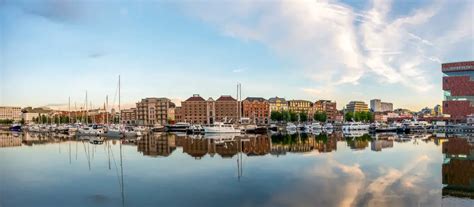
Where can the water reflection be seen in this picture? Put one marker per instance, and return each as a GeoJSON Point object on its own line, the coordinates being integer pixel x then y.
{"type": "Point", "coordinates": [280, 170]}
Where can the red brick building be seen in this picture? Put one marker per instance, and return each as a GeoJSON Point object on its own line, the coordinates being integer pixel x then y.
{"type": "Point", "coordinates": [257, 109]}
{"type": "Point", "coordinates": [458, 86]}
{"type": "Point", "coordinates": [328, 107]}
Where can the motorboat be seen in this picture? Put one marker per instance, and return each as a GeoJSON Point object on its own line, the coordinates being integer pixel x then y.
{"type": "Point", "coordinates": [328, 126]}
{"type": "Point", "coordinates": [221, 127]}
{"type": "Point", "coordinates": [195, 129]}
{"type": "Point", "coordinates": [290, 127]}
{"type": "Point", "coordinates": [351, 126]}
{"type": "Point", "coordinates": [316, 126]}
{"type": "Point", "coordinates": [92, 130]}
{"type": "Point", "coordinates": [178, 127]}
{"type": "Point", "coordinates": [15, 127]}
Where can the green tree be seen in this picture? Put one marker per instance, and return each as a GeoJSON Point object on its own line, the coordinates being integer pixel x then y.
{"type": "Point", "coordinates": [285, 116]}
{"type": "Point", "coordinates": [349, 116]}
{"type": "Point", "coordinates": [320, 116]}
{"type": "Point", "coordinates": [276, 116]}
{"type": "Point", "coordinates": [303, 117]}
{"type": "Point", "coordinates": [293, 116]}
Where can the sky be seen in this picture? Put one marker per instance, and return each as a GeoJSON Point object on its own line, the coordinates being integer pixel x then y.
{"type": "Point", "coordinates": [51, 50]}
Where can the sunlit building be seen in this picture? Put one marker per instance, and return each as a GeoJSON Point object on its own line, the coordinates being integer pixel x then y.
{"type": "Point", "coordinates": [458, 86]}
{"type": "Point", "coordinates": [151, 111]}
{"type": "Point", "coordinates": [357, 106]}
{"type": "Point", "coordinates": [10, 113]}
{"type": "Point", "coordinates": [327, 107]}
{"type": "Point", "coordinates": [300, 106]}
{"type": "Point", "coordinates": [278, 104]}
{"type": "Point", "coordinates": [257, 109]}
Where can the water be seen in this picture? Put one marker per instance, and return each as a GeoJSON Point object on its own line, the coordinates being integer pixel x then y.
{"type": "Point", "coordinates": [262, 170]}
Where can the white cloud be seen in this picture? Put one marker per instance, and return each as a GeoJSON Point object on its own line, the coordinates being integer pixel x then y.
{"type": "Point", "coordinates": [336, 44]}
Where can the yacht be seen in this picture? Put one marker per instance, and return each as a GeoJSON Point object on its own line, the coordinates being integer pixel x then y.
{"type": "Point", "coordinates": [178, 127]}
{"type": "Point", "coordinates": [221, 127]}
{"type": "Point", "coordinates": [316, 126]}
{"type": "Point", "coordinates": [291, 127]}
{"type": "Point", "coordinates": [351, 126]}
{"type": "Point", "coordinates": [91, 130]}
{"type": "Point", "coordinates": [328, 126]}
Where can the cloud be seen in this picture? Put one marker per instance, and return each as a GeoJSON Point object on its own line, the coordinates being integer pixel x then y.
{"type": "Point", "coordinates": [53, 10]}
{"type": "Point", "coordinates": [239, 70]}
{"type": "Point", "coordinates": [96, 55]}
{"type": "Point", "coordinates": [334, 43]}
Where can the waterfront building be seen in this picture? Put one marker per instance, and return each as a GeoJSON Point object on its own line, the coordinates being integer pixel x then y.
{"type": "Point", "coordinates": [227, 109]}
{"type": "Point", "coordinates": [129, 116]}
{"type": "Point", "coordinates": [357, 106]}
{"type": "Point", "coordinates": [151, 111]}
{"type": "Point", "coordinates": [438, 110]}
{"type": "Point", "coordinates": [10, 113]}
{"type": "Point", "coordinates": [278, 104]}
{"type": "Point", "coordinates": [376, 105]}
{"type": "Point", "coordinates": [178, 114]}
{"type": "Point", "coordinates": [29, 113]}
{"type": "Point", "coordinates": [458, 86]}
{"type": "Point", "coordinates": [299, 106]}
{"type": "Point", "coordinates": [195, 110]}
{"type": "Point", "coordinates": [257, 109]}
{"type": "Point", "coordinates": [327, 107]}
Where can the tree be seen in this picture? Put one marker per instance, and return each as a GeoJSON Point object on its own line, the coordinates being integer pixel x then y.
{"type": "Point", "coordinates": [320, 116]}
{"type": "Point", "coordinates": [303, 117]}
{"type": "Point", "coordinates": [349, 116]}
{"type": "Point", "coordinates": [285, 116]}
{"type": "Point", "coordinates": [276, 116]}
{"type": "Point", "coordinates": [293, 116]}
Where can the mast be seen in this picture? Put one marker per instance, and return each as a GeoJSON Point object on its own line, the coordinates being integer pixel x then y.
{"type": "Point", "coordinates": [87, 114]}
{"type": "Point", "coordinates": [106, 107]}
{"type": "Point", "coordinates": [69, 109]}
{"type": "Point", "coordinates": [120, 113]}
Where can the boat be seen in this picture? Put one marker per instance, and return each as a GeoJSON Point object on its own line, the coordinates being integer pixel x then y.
{"type": "Point", "coordinates": [195, 129]}
{"type": "Point", "coordinates": [291, 127]}
{"type": "Point", "coordinates": [221, 127]}
{"type": "Point", "coordinates": [328, 126]}
{"type": "Point", "coordinates": [15, 127]}
{"type": "Point", "coordinates": [273, 127]}
{"type": "Point", "coordinates": [158, 128]}
{"type": "Point", "coordinates": [92, 130]}
{"type": "Point", "coordinates": [316, 126]}
{"type": "Point", "coordinates": [178, 127]}
{"type": "Point", "coordinates": [351, 126]}
{"type": "Point", "coordinates": [130, 132]}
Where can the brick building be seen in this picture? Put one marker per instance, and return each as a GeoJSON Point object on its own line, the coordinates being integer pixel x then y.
{"type": "Point", "coordinates": [328, 107]}
{"type": "Point", "coordinates": [257, 109]}
{"type": "Point", "coordinates": [151, 111]}
{"type": "Point", "coordinates": [194, 110]}
{"type": "Point", "coordinates": [458, 86]}
{"type": "Point", "coordinates": [227, 108]}
{"type": "Point", "coordinates": [129, 116]}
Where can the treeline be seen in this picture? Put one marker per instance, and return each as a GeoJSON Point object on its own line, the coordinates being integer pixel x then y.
{"type": "Point", "coordinates": [359, 116]}
{"type": "Point", "coordinates": [290, 116]}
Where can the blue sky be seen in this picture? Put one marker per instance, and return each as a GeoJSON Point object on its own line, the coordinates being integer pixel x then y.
{"type": "Point", "coordinates": [339, 50]}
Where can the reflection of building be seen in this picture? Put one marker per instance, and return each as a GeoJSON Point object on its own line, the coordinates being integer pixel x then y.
{"type": "Point", "coordinates": [257, 109]}
{"type": "Point", "coordinates": [458, 86]}
{"type": "Point", "coordinates": [356, 106]}
{"type": "Point", "coordinates": [278, 104]}
{"type": "Point", "coordinates": [151, 111]}
{"type": "Point", "coordinates": [251, 146]}
{"type": "Point", "coordinates": [378, 145]}
{"type": "Point", "coordinates": [7, 139]}
{"type": "Point", "coordinates": [10, 113]}
{"type": "Point", "coordinates": [458, 168]}
{"type": "Point", "coordinates": [157, 144]}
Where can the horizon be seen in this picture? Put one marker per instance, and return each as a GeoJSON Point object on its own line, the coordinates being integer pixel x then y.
{"type": "Point", "coordinates": [392, 51]}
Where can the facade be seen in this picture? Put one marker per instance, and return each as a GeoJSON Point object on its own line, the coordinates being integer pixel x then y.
{"type": "Point", "coordinates": [300, 106]}
{"type": "Point", "coordinates": [10, 113]}
{"type": "Point", "coordinates": [438, 110]}
{"type": "Point", "coordinates": [357, 106]}
{"type": "Point", "coordinates": [195, 110]}
{"type": "Point", "coordinates": [257, 109]}
{"type": "Point", "coordinates": [129, 116]}
{"type": "Point", "coordinates": [151, 111]}
{"type": "Point", "coordinates": [328, 107]}
{"type": "Point", "coordinates": [458, 86]}
{"type": "Point", "coordinates": [178, 114]}
{"type": "Point", "coordinates": [227, 109]}
{"type": "Point", "coordinates": [278, 104]}
{"type": "Point", "coordinates": [376, 105]}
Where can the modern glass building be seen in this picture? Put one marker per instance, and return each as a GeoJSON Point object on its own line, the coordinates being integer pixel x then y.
{"type": "Point", "coordinates": [458, 86]}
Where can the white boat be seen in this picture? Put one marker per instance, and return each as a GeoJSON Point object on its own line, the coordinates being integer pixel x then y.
{"type": "Point", "coordinates": [328, 126]}
{"type": "Point", "coordinates": [221, 127]}
{"type": "Point", "coordinates": [316, 126]}
{"type": "Point", "coordinates": [291, 127]}
{"type": "Point", "coordinates": [351, 126]}
{"type": "Point", "coordinates": [91, 130]}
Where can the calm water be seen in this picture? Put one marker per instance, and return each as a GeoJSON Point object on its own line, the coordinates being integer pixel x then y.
{"type": "Point", "coordinates": [263, 170]}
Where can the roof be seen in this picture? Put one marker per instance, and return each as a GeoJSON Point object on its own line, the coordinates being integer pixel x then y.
{"type": "Point", "coordinates": [195, 98]}
{"type": "Point", "coordinates": [457, 66]}
{"type": "Point", "coordinates": [274, 99]}
{"type": "Point", "coordinates": [226, 98]}
{"type": "Point", "coordinates": [259, 99]}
